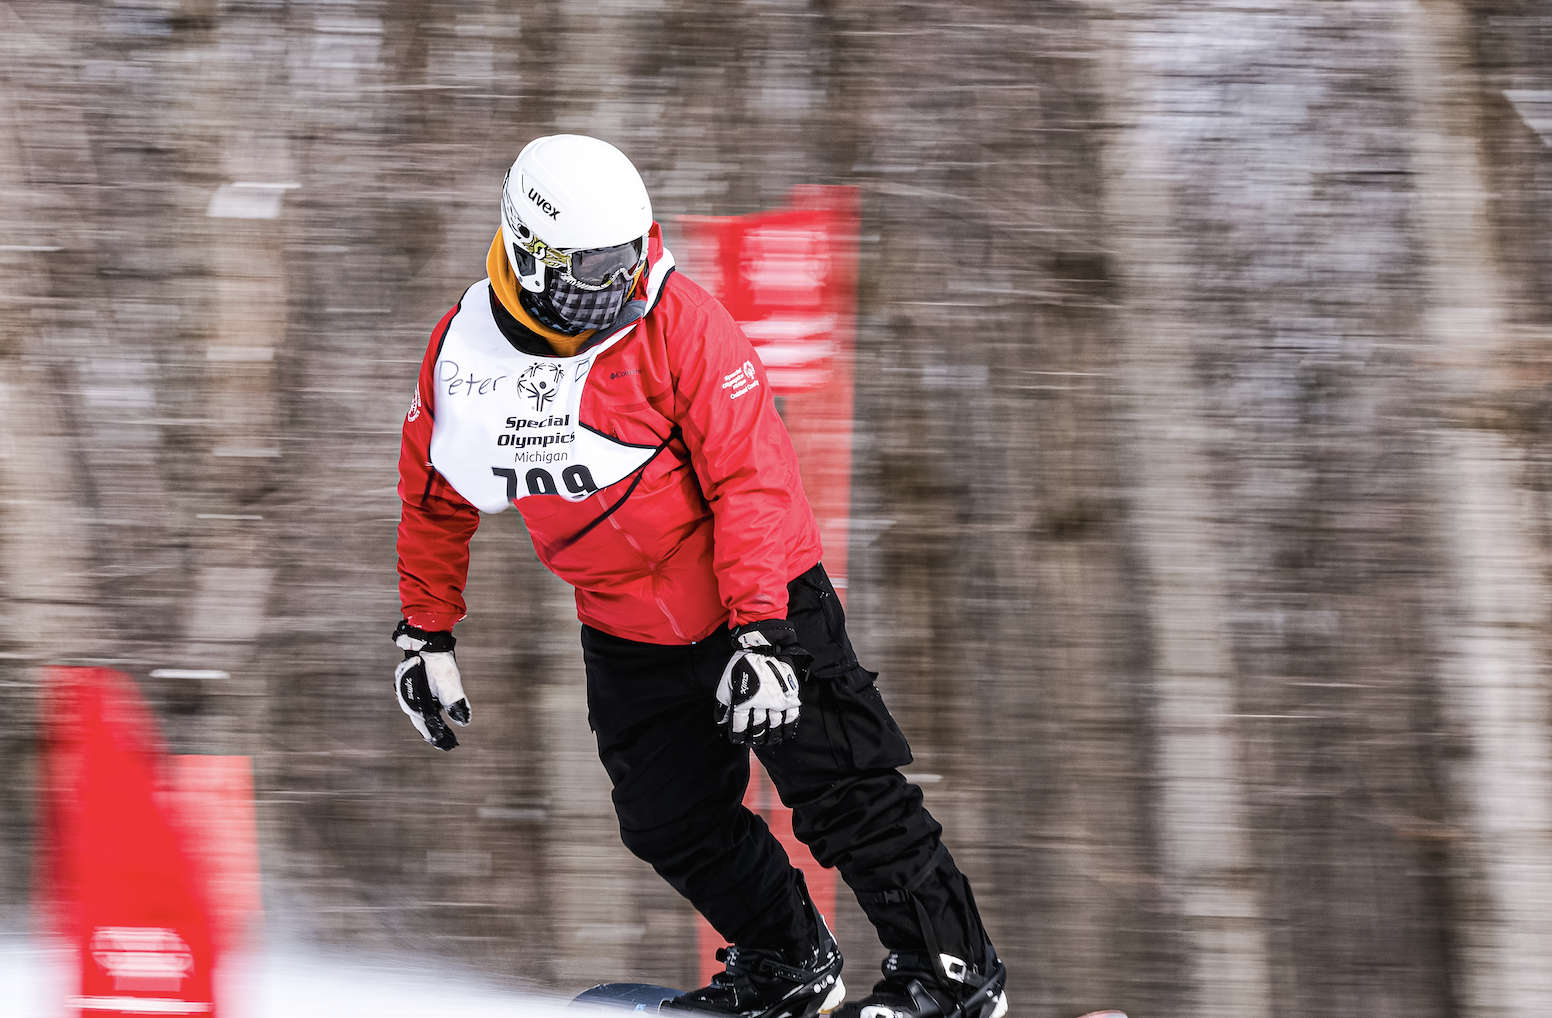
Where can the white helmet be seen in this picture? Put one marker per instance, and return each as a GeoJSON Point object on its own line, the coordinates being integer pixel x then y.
{"type": "Point", "coordinates": [572, 195]}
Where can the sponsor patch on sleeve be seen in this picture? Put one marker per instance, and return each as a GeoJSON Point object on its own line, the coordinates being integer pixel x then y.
{"type": "Point", "coordinates": [741, 381]}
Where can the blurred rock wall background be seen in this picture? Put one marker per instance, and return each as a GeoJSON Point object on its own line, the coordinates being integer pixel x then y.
{"type": "Point", "coordinates": [1200, 527]}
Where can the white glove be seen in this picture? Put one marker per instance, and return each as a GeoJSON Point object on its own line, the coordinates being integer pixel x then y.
{"type": "Point", "coordinates": [757, 699]}
{"type": "Point", "coordinates": [426, 681]}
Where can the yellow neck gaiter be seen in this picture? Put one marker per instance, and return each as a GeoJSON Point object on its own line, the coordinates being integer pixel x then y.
{"type": "Point", "coordinates": [504, 281]}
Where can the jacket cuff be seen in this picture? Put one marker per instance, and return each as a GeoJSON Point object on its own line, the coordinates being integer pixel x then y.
{"type": "Point", "coordinates": [736, 619]}
{"type": "Point", "coordinates": [433, 622]}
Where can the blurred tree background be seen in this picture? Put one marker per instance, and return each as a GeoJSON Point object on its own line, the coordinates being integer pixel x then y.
{"type": "Point", "coordinates": [1200, 520]}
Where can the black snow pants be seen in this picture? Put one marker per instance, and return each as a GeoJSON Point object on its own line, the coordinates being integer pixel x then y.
{"type": "Point", "coordinates": [679, 787]}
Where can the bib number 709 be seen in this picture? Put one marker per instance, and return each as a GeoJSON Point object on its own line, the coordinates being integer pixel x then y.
{"type": "Point", "coordinates": [539, 481]}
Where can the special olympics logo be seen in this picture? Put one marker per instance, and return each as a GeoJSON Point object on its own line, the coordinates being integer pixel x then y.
{"type": "Point", "coordinates": [749, 370]}
{"type": "Point", "coordinates": [540, 383]}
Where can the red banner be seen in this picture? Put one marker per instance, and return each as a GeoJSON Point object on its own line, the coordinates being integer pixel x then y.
{"type": "Point", "coordinates": [119, 869]}
{"type": "Point", "coordinates": [789, 277]}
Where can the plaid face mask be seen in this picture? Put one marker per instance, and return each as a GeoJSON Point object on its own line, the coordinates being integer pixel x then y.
{"type": "Point", "coordinates": [582, 309]}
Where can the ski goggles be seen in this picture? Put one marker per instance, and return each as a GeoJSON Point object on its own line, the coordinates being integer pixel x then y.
{"type": "Point", "coordinates": [595, 268]}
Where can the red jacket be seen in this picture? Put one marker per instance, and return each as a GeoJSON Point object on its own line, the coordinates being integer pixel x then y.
{"type": "Point", "coordinates": [707, 535]}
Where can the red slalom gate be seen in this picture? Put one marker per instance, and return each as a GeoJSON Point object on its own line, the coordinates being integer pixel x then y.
{"type": "Point", "coordinates": [148, 861]}
{"type": "Point", "coordinates": [789, 277]}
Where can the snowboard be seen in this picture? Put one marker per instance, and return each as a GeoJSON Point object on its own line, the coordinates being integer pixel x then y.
{"type": "Point", "coordinates": [648, 998]}
{"type": "Point", "coordinates": [627, 996]}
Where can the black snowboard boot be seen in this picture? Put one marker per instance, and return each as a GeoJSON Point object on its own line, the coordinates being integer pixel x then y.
{"type": "Point", "coordinates": [913, 987]}
{"type": "Point", "coordinates": [770, 982]}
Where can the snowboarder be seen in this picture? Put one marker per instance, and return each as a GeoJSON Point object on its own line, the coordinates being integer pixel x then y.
{"type": "Point", "coordinates": [621, 409]}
